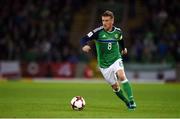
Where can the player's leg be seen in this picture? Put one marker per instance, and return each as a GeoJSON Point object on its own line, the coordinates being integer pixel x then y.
{"type": "Point", "coordinates": [126, 86]}
{"type": "Point", "coordinates": [109, 76]}
{"type": "Point", "coordinates": [120, 74]}
{"type": "Point", "coordinates": [119, 93]}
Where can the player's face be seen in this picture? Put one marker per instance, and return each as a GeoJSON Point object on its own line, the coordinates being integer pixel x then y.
{"type": "Point", "coordinates": [107, 22]}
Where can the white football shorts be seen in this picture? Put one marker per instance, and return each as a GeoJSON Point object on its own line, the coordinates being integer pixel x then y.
{"type": "Point", "coordinates": [110, 72]}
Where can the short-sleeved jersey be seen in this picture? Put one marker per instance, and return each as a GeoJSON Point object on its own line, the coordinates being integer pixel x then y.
{"type": "Point", "coordinates": [107, 46]}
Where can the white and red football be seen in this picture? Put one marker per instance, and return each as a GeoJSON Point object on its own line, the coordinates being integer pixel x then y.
{"type": "Point", "coordinates": [78, 103]}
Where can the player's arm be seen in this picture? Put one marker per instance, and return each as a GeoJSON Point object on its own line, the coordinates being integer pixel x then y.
{"type": "Point", "coordinates": [84, 43]}
{"type": "Point", "coordinates": [89, 37]}
{"type": "Point", "coordinates": [124, 50]}
{"type": "Point", "coordinates": [121, 43]}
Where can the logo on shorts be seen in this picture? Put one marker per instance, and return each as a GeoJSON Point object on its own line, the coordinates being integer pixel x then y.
{"type": "Point", "coordinates": [120, 64]}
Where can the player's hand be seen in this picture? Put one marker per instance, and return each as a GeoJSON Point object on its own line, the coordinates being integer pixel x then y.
{"type": "Point", "coordinates": [124, 52]}
{"type": "Point", "coordinates": [86, 48]}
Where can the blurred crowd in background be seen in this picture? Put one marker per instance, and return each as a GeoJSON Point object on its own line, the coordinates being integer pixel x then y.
{"type": "Point", "coordinates": [36, 30]}
{"type": "Point", "coordinates": [39, 30]}
{"type": "Point", "coordinates": [158, 38]}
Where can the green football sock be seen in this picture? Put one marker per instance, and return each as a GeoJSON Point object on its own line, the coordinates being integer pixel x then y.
{"type": "Point", "coordinates": [120, 94]}
{"type": "Point", "coordinates": [127, 89]}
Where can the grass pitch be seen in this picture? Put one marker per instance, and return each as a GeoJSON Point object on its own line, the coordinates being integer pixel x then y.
{"type": "Point", "coordinates": [20, 99]}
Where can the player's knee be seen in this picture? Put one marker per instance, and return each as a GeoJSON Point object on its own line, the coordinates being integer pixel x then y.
{"type": "Point", "coordinates": [115, 87]}
{"type": "Point", "coordinates": [122, 77]}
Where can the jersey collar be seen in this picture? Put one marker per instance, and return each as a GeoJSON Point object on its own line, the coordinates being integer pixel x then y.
{"type": "Point", "coordinates": [113, 29]}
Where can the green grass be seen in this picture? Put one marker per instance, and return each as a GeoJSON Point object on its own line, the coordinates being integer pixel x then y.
{"type": "Point", "coordinates": [18, 99]}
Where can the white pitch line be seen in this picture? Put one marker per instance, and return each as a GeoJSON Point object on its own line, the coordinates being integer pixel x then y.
{"type": "Point", "coordinates": [83, 80]}
{"type": "Point", "coordinates": [69, 81]}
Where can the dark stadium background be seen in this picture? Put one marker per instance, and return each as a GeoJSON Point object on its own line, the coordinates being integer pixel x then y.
{"type": "Point", "coordinates": [42, 66]}
{"type": "Point", "coordinates": [40, 38]}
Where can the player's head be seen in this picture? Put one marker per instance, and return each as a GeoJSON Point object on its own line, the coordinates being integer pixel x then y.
{"type": "Point", "coordinates": [107, 20]}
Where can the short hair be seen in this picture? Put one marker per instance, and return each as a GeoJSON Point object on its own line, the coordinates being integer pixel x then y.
{"type": "Point", "coordinates": [108, 13]}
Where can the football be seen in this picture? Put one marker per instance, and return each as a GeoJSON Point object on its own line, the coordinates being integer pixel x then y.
{"type": "Point", "coordinates": [78, 103]}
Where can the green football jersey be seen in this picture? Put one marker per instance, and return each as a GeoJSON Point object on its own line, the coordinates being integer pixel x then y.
{"type": "Point", "coordinates": [107, 46]}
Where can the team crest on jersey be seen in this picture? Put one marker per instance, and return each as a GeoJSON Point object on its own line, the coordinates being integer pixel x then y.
{"type": "Point", "coordinates": [116, 36]}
